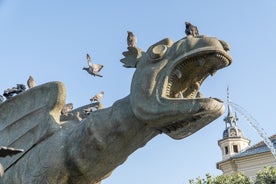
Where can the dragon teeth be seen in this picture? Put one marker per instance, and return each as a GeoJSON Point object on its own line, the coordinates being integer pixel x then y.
{"type": "Point", "coordinates": [179, 95]}
{"type": "Point", "coordinates": [178, 73]}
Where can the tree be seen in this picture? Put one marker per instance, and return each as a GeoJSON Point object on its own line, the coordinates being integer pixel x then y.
{"type": "Point", "coordinates": [237, 178]}
{"type": "Point", "coordinates": [267, 176]}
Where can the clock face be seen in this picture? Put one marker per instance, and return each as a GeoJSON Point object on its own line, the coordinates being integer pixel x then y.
{"type": "Point", "coordinates": [233, 133]}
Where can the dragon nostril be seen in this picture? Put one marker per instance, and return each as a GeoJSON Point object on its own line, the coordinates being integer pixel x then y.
{"type": "Point", "coordinates": [225, 45]}
{"type": "Point", "coordinates": [158, 51]}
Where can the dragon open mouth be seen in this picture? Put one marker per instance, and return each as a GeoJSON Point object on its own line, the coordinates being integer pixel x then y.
{"type": "Point", "coordinates": [187, 75]}
{"type": "Point", "coordinates": [184, 82]}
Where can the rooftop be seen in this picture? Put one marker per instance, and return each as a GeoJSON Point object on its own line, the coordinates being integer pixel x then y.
{"type": "Point", "coordinates": [260, 147]}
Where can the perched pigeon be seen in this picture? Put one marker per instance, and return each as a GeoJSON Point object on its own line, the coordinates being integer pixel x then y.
{"type": "Point", "coordinates": [98, 97]}
{"type": "Point", "coordinates": [66, 108]}
{"type": "Point", "coordinates": [191, 29]}
{"type": "Point", "coordinates": [92, 68]}
{"type": "Point", "coordinates": [131, 39]}
{"type": "Point", "coordinates": [78, 116]}
{"type": "Point", "coordinates": [31, 82]}
{"type": "Point", "coordinates": [88, 110]}
{"type": "Point", "coordinates": [8, 93]}
{"type": "Point", "coordinates": [9, 151]}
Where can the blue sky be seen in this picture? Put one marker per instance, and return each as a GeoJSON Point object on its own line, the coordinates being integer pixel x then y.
{"type": "Point", "coordinates": [49, 40]}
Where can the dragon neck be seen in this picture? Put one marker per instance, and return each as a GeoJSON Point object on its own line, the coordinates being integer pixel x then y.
{"type": "Point", "coordinates": [113, 133]}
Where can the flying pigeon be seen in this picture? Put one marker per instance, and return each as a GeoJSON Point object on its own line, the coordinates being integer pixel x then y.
{"type": "Point", "coordinates": [191, 29]}
{"type": "Point", "coordinates": [131, 39]}
{"type": "Point", "coordinates": [31, 82]}
{"type": "Point", "coordinates": [92, 68]}
{"type": "Point", "coordinates": [98, 97]}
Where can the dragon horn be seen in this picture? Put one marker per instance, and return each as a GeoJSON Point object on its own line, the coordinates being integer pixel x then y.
{"type": "Point", "coordinates": [132, 57]}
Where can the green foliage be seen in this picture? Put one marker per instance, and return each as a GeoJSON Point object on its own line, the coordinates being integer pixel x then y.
{"type": "Point", "coordinates": [238, 178]}
{"type": "Point", "coordinates": [266, 176]}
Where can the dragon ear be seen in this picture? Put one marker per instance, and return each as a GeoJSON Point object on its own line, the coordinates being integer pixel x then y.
{"type": "Point", "coordinates": [132, 57]}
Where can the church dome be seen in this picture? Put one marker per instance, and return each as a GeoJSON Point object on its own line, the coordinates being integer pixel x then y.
{"type": "Point", "coordinates": [232, 131]}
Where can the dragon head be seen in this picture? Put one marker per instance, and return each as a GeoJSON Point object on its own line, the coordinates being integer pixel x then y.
{"type": "Point", "coordinates": [165, 86]}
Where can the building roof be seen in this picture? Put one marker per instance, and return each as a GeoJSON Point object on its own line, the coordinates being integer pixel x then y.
{"type": "Point", "coordinates": [260, 147]}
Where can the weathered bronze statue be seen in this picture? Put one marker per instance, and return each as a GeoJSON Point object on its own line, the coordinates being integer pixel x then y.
{"type": "Point", "coordinates": [162, 99]}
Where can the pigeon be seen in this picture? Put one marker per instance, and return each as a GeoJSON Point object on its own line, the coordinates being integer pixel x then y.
{"type": "Point", "coordinates": [98, 97]}
{"type": "Point", "coordinates": [66, 108]}
{"type": "Point", "coordinates": [8, 93]}
{"type": "Point", "coordinates": [88, 110]}
{"type": "Point", "coordinates": [9, 151]}
{"type": "Point", "coordinates": [131, 39]}
{"type": "Point", "coordinates": [191, 29]}
{"type": "Point", "coordinates": [31, 82]}
{"type": "Point", "coordinates": [78, 116]}
{"type": "Point", "coordinates": [92, 68]}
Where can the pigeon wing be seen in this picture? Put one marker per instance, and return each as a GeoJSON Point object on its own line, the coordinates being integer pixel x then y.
{"type": "Point", "coordinates": [97, 67]}
{"type": "Point", "coordinates": [89, 61]}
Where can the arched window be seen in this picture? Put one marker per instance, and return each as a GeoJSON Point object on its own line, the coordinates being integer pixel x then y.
{"type": "Point", "coordinates": [235, 148]}
{"type": "Point", "coordinates": [226, 150]}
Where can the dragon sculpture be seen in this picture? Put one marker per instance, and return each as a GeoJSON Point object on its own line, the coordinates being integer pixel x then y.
{"type": "Point", "coordinates": [164, 98]}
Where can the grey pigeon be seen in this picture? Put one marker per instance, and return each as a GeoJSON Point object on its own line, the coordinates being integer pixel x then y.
{"type": "Point", "coordinates": [31, 82]}
{"type": "Point", "coordinates": [92, 68]}
{"type": "Point", "coordinates": [78, 116]}
{"type": "Point", "coordinates": [88, 110]}
{"type": "Point", "coordinates": [131, 39]}
{"type": "Point", "coordinates": [191, 29]}
{"type": "Point", "coordinates": [7, 151]}
{"type": "Point", "coordinates": [66, 108]}
{"type": "Point", "coordinates": [98, 97]}
{"type": "Point", "coordinates": [8, 93]}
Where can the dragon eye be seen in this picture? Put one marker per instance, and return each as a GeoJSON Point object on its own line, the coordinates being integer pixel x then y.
{"type": "Point", "coordinates": [158, 51]}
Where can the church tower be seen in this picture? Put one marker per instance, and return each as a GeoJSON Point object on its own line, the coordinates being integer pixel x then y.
{"type": "Point", "coordinates": [232, 141]}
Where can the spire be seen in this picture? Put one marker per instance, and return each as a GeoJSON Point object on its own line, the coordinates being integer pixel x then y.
{"type": "Point", "coordinates": [232, 141]}
{"type": "Point", "coordinates": [230, 119]}
{"type": "Point", "coordinates": [228, 103]}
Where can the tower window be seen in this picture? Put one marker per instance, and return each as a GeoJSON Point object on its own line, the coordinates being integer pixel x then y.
{"type": "Point", "coordinates": [226, 150]}
{"type": "Point", "coordinates": [235, 148]}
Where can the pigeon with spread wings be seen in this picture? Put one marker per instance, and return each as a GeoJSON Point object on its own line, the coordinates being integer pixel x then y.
{"type": "Point", "coordinates": [92, 68]}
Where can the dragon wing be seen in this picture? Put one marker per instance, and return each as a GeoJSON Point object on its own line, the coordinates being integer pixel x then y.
{"type": "Point", "coordinates": [29, 117]}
